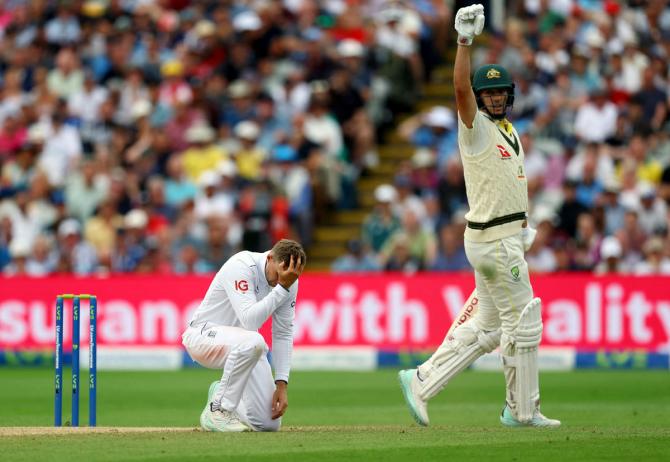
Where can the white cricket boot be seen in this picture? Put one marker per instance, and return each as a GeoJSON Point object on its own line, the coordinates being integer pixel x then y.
{"type": "Point", "coordinates": [221, 421]}
{"type": "Point", "coordinates": [538, 420]}
{"type": "Point", "coordinates": [409, 384]}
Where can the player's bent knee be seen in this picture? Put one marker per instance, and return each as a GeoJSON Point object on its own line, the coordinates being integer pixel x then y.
{"type": "Point", "coordinates": [266, 425]}
{"type": "Point", "coordinates": [254, 345]}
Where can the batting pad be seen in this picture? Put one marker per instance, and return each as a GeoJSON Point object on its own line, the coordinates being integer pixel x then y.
{"type": "Point", "coordinates": [520, 362]}
{"type": "Point", "coordinates": [458, 351]}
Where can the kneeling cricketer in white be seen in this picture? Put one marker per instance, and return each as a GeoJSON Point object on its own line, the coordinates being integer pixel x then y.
{"type": "Point", "coordinates": [223, 334]}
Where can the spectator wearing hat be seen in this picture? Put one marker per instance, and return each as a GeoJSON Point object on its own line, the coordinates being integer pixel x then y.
{"type": "Point", "coordinates": [381, 223]}
{"type": "Point", "coordinates": [433, 129]}
{"type": "Point", "coordinates": [424, 175]}
{"type": "Point", "coordinates": [211, 200]}
{"type": "Point", "coordinates": [76, 255]}
{"type": "Point", "coordinates": [611, 253]}
{"type": "Point", "coordinates": [653, 212]}
{"type": "Point", "coordinates": [174, 89]}
{"type": "Point", "coordinates": [356, 260]}
{"type": "Point", "coordinates": [420, 242]}
{"type": "Point", "coordinates": [203, 154]}
{"type": "Point", "coordinates": [654, 261]}
{"type": "Point", "coordinates": [43, 259]}
{"type": "Point", "coordinates": [241, 106]}
{"type": "Point", "coordinates": [248, 156]}
{"type": "Point", "coordinates": [351, 54]}
{"type": "Point", "coordinates": [19, 251]}
{"type": "Point", "coordinates": [131, 242]}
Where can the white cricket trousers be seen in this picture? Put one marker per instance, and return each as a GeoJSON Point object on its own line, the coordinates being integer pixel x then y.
{"type": "Point", "coordinates": [247, 385]}
{"type": "Point", "coordinates": [503, 283]}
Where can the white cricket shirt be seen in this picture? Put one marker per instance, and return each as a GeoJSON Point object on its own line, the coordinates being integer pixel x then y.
{"type": "Point", "coordinates": [495, 179]}
{"type": "Point", "coordinates": [240, 296]}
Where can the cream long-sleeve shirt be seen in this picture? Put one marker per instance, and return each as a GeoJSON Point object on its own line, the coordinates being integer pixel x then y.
{"type": "Point", "coordinates": [240, 296]}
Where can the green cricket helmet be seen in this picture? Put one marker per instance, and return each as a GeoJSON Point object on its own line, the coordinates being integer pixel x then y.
{"type": "Point", "coordinates": [490, 76]}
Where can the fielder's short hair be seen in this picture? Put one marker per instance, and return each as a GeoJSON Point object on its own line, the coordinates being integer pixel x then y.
{"type": "Point", "coordinates": [284, 249]}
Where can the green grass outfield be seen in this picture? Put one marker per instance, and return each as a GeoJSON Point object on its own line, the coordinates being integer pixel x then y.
{"type": "Point", "coordinates": [334, 416]}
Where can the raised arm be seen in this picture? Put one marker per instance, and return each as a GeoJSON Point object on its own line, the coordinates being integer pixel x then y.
{"type": "Point", "coordinates": [469, 23]}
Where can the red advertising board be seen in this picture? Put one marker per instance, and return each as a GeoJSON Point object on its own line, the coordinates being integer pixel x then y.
{"type": "Point", "coordinates": [385, 311]}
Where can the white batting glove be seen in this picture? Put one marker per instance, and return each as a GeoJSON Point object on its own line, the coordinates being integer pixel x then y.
{"type": "Point", "coordinates": [528, 237]}
{"type": "Point", "coordinates": [469, 23]}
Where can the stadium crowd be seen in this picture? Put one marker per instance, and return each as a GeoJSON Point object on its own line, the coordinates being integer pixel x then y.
{"type": "Point", "coordinates": [591, 106]}
{"type": "Point", "coordinates": [161, 136]}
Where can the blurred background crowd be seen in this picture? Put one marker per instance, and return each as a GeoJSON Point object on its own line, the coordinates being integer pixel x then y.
{"type": "Point", "coordinates": [591, 107]}
{"type": "Point", "coordinates": [162, 136]}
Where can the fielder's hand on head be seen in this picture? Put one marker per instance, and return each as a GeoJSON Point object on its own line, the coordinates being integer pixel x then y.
{"type": "Point", "coordinates": [469, 23]}
{"type": "Point", "coordinates": [289, 274]}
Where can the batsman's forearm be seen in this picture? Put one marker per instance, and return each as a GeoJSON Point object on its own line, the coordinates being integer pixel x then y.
{"type": "Point", "coordinates": [462, 70]}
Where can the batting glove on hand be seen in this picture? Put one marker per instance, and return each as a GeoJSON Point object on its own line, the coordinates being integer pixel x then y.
{"type": "Point", "coordinates": [528, 237]}
{"type": "Point", "coordinates": [469, 22]}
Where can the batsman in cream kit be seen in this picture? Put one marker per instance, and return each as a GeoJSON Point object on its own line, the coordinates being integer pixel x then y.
{"type": "Point", "coordinates": [505, 314]}
{"type": "Point", "coordinates": [249, 289]}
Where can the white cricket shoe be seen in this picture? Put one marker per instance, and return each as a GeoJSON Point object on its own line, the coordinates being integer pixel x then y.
{"type": "Point", "coordinates": [538, 420]}
{"type": "Point", "coordinates": [221, 421]}
{"type": "Point", "coordinates": [409, 384]}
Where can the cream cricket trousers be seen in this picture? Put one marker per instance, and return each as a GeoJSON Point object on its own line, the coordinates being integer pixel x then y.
{"type": "Point", "coordinates": [247, 385]}
{"type": "Point", "coordinates": [502, 280]}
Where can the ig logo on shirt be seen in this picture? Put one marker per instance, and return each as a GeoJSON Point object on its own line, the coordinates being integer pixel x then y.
{"type": "Point", "coordinates": [241, 286]}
